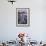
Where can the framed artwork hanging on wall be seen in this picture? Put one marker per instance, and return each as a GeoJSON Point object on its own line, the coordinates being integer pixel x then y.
{"type": "Point", "coordinates": [22, 17]}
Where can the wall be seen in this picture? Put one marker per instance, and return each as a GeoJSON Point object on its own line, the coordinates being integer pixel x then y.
{"type": "Point", "coordinates": [37, 29]}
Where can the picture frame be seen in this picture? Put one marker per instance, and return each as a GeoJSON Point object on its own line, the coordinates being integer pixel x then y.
{"type": "Point", "coordinates": [22, 17]}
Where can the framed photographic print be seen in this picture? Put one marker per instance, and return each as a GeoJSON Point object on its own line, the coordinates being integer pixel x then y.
{"type": "Point", "coordinates": [22, 17]}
